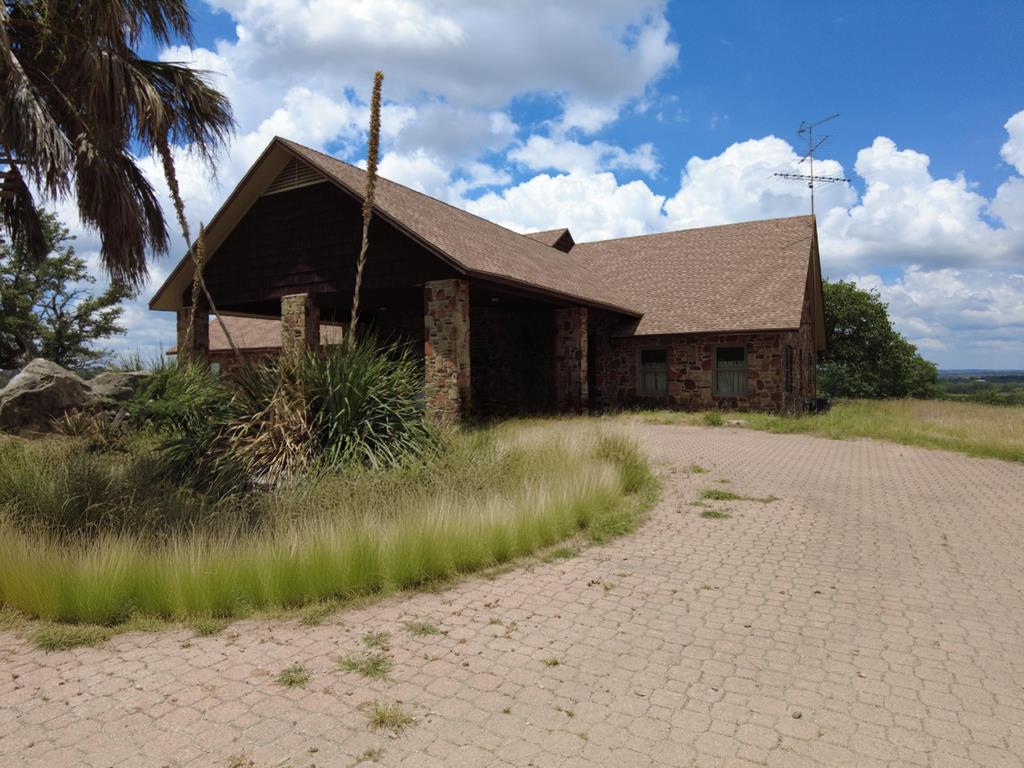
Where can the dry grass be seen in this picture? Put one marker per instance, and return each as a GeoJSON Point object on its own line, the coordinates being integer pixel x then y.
{"type": "Point", "coordinates": [978, 430]}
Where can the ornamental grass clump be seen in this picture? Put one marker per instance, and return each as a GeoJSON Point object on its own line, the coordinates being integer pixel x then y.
{"type": "Point", "coordinates": [492, 495]}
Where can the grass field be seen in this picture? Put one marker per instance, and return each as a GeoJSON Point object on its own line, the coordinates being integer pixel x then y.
{"type": "Point", "coordinates": [978, 430]}
{"type": "Point", "coordinates": [493, 496]}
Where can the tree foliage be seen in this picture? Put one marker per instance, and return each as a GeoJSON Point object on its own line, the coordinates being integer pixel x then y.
{"type": "Point", "coordinates": [48, 308]}
{"type": "Point", "coordinates": [867, 357]}
{"type": "Point", "coordinates": [77, 104]}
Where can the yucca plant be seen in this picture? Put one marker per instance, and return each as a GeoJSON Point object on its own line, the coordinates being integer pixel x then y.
{"type": "Point", "coordinates": [305, 412]}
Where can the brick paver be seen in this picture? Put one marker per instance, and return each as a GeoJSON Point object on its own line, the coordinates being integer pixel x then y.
{"type": "Point", "coordinates": [873, 615]}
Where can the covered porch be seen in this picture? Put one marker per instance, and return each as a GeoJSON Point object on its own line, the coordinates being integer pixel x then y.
{"type": "Point", "coordinates": [488, 348]}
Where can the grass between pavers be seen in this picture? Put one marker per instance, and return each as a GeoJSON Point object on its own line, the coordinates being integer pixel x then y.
{"type": "Point", "coordinates": [501, 494]}
{"type": "Point", "coordinates": [989, 431]}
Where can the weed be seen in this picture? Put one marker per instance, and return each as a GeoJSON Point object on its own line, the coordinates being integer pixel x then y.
{"type": "Point", "coordinates": [713, 419]}
{"type": "Point", "coordinates": [381, 640]}
{"type": "Point", "coordinates": [560, 553]}
{"type": "Point", "coordinates": [422, 628]}
{"type": "Point", "coordinates": [720, 494]}
{"type": "Point", "coordinates": [206, 626]}
{"type": "Point", "coordinates": [240, 760]}
{"type": "Point", "coordinates": [373, 665]}
{"type": "Point", "coordinates": [294, 676]}
{"type": "Point", "coordinates": [697, 469]}
{"type": "Point", "coordinates": [389, 716]}
{"type": "Point", "coordinates": [62, 637]}
{"type": "Point", "coordinates": [314, 614]}
{"type": "Point", "coordinates": [551, 662]}
{"type": "Point", "coordinates": [715, 514]}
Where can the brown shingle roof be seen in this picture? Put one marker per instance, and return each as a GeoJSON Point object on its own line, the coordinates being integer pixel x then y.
{"type": "Point", "coordinates": [480, 247]}
{"type": "Point", "coordinates": [735, 277]}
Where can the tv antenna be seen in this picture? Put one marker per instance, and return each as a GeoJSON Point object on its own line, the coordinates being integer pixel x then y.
{"type": "Point", "coordinates": [808, 130]}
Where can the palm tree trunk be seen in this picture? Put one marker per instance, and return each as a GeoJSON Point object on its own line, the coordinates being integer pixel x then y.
{"type": "Point", "coordinates": [198, 283]}
{"type": "Point", "coordinates": [371, 183]}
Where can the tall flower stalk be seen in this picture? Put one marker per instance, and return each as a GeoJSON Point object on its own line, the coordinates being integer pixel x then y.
{"type": "Point", "coordinates": [371, 182]}
{"type": "Point", "coordinates": [198, 251]}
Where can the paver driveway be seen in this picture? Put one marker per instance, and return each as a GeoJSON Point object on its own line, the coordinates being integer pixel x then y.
{"type": "Point", "coordinates": [873, 615]}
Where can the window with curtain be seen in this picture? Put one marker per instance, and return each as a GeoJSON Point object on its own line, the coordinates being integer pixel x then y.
{"type": "Point", "coordinates": [731, 371]}
{"type": "Point", "coordinates": [653, 372]}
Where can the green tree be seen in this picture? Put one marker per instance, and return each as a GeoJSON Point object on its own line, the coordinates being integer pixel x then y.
{"type": "Point", "coordinates": [48, 308]}
{"type": "Point", "coordinates": [866, 356]}
{"type": "Point", "coordinates": [78, 105]}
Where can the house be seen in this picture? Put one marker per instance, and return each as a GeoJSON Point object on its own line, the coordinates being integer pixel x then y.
{"type": "Point", "coordinates": [728, 316]}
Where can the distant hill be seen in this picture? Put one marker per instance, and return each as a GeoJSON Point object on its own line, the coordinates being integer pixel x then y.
{"type": "Point", "coordinates": [979, 373]}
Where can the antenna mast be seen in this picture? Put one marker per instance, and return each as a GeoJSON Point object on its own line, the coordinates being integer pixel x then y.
{"type": "Point", "coordinates": [810, 178]}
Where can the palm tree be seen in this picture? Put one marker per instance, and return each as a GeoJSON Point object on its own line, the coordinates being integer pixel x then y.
{"type": "Point", "coordinates": [77, 104]}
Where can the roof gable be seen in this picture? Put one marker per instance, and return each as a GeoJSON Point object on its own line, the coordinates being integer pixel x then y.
{"type": "Point", "coordinates": [479, 247]}
{"type": "Point", "coordinates": [472, 245]}
{"type": "Point", "coordinates": [560, 239]}
{"type": "Point", "coordinates": [736, 277]}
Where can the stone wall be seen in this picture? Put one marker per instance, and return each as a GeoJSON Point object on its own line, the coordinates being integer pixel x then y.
{"type": "Point", "coordinates": [571, 359]}
{"type": "Point", "coordinates": [300, 322]}
{"type": "Point", "coordinates": [446, 349]}
{"type": "Point", "coordinates": [616, 364]}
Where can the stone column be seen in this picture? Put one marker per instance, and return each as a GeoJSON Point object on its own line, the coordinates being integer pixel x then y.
{"type": "Point", "coordinates": [300, 322]}
{"type": "Point", "coordinates": [446, 349]}
{"type": "Point", "coordinates": [571, 389]}
{"type": "Point", "coordinates": [200, 349]}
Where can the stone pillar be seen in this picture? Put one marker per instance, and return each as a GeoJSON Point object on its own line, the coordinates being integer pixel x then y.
{"type": "Point", "coordinates": [571, 388]}
{"type": "Point", "coordinates": [446, 349]}
{"type": "Point", "coordinates": [200, 349]}
{"type": "Point", "coordinates": [300, 322]}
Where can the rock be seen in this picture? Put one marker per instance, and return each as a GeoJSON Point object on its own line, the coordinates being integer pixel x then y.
{"type": "Point", "coordinates": [736, 423]}
{"type": "Point", "coordinates": [116, 387]}
{"type": "Point", "coordinates": [42, 392]}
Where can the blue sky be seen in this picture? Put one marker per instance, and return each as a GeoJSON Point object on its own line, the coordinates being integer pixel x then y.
{"type": "Point", "coordinates": [627, 116]}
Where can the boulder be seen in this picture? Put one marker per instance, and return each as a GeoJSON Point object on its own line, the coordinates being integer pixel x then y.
{"type": "Point", "coordinates": [116, 387]}
{"type": "Point", "coordinates": [42, 392]}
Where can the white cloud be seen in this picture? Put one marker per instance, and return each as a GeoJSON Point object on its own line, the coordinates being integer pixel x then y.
{"type": "Point", "coordinates": [907, 216]}
{"type": "Point", "coordinates": [959, 318]}
{"type": "Point", "coordinates": [540, 153]}
{"type": "Point", "coordinates": [595, 206]}
{"type": "Point", "coordinates": [1013, 150]}
{"type": "Point", "coordinates": [739, 184]}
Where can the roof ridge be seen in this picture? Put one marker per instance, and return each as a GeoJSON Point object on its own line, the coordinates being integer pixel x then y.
{"type": "Point", "coordinates": [697, 229]}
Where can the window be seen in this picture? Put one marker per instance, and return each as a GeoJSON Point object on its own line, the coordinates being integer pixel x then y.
{"type": "Point", "coordinates": [789, 369]}
{"type": "Point", "coordinates": [653, 372]}
{"type": "Point", "coordinates": [731, 371]}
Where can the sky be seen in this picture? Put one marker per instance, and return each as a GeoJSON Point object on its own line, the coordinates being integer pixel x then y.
{"type": "Point", "coordinates": [624, 117]}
